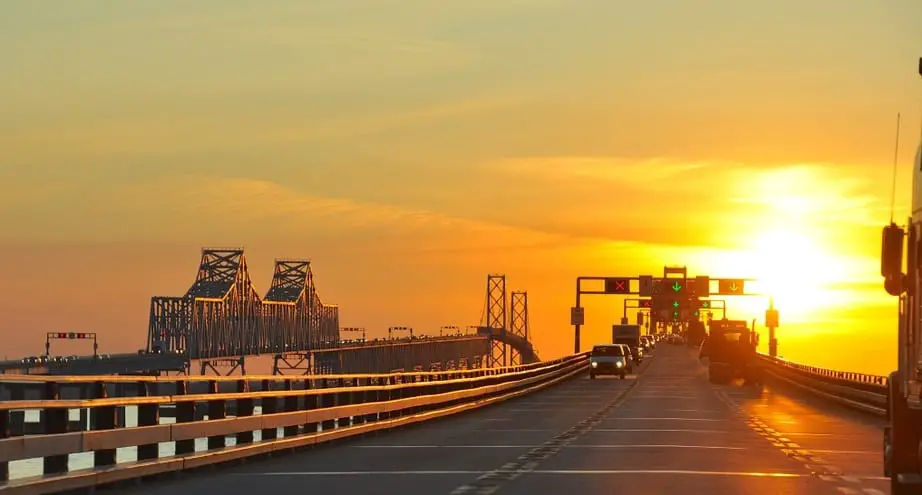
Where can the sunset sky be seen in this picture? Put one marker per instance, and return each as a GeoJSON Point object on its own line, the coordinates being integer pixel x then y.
{"type": "Point", "coordinates": [410, 147]}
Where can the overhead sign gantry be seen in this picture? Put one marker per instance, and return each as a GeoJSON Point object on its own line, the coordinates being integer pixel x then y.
{"type": "Point", "coordinates": [673, 297]}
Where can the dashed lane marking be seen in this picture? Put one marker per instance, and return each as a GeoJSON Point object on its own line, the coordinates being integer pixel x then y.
{"type": "Point", "coordinates": [581, 446]}
{"type": "Point", "coordinates": [619, 418]}
{"type": "Point", "coordinates": [819, 467]}
{"type": "Point", "coordinates": [492, 481]}
{"type": "Point", "coordinates": [847, 490]}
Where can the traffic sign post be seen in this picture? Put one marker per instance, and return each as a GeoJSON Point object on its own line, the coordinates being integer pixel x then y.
{"type": "Point", "coordinates": [645, 288]}
{"type": "Point", "coordinates": [577, 316]}
{"type": "Point", "coordinates": [672, 298]}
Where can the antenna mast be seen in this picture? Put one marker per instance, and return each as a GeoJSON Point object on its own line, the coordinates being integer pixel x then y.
{"type": "Point", "coordinates": [896, 155]}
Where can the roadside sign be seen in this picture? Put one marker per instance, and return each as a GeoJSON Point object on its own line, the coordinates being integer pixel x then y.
{"type": "Point", "coordinates": [577, 316]}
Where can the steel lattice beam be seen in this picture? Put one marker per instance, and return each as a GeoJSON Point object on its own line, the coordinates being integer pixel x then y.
{"type": "Point", "coordinates": [222, 315]}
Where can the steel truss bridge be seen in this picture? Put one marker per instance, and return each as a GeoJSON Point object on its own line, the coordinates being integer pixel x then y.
{"type": "Point", "coordinates": [221, 320]}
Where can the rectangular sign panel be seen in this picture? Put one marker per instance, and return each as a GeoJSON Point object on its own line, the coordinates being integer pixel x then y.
{"type": "Point", "coordinates": [577, 316]}
{"type": "Point", "coordinates": [731, 287]}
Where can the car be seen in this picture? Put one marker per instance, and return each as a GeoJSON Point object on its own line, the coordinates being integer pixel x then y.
{"type": "Point", "coordinates": [648, 342]}
{"type": "Point", "coordinates": [610, 359]}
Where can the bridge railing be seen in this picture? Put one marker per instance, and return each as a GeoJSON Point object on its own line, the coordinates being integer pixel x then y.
{"type": "Point", "coordinates": [259, 415]}
{"type": "Point", "coordinates": [857, 390]}
{"type": "Point", "coordinates": [174, 360]}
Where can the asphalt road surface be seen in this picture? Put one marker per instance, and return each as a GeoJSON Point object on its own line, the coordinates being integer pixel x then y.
{"type": "Point", "coordinates": [665, 431]}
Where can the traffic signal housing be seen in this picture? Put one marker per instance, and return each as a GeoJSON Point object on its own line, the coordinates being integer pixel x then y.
{"type": "Point", "coordinates": [674, 287]}
{"type": "Point", "coordinates": [617, 286]}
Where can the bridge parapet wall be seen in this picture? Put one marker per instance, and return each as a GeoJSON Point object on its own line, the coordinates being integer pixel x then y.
{"type": "Point", "coordinates": [264, 414]}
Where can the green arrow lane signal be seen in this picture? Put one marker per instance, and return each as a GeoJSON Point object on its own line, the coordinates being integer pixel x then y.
{"type": "Point", "coordinates": [675, 304]}
{"type": "Point", "coordinates": [705, 304]}
{"type": "Point", "coordinates": [677, 287]}
{"type": "Point", "coordinates": [733, 287]}
{"type": "Point", "coordinates": [697, 314]}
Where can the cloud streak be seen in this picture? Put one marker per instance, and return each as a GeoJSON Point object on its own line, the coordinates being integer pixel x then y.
{"type": "Point", "coordinates": [236, 209]}
{"type": "Point", "coordinates": [234, 132]}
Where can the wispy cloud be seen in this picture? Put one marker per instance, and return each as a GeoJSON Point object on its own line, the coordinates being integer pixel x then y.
{"type": "Point", "coordinates": [234, 131]}
{"type": "Point", "coordinates": [234, 210]}
{"type": "Point", "coordinates": [681, 202]}
{"type": "Point", "coordinates": [645, 173]}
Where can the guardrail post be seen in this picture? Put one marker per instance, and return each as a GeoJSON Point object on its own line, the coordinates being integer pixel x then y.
{"type": "Point", "coordinates": [358, 398]}
{"type": "Point", "coordinates": [148, 415]}
{"type": "Point", "coordinates": [371, 396]}
{"type": "Point", "coordinates": [327, 400]}
{"type": "Point", "coordinates": [291, 405]}
{"type": "Point", "coordinates": [185, 413]}
{"type": "Point", "coordinates": [386, 395]}
{"type": "Point", "coordinates": [269, 405]}
{"type": "Point", "coordinates": [103, 418]}
{"type": "Point", "coordinates": [244, 409]}
{"type": "Point", "coordinates": [342, 399]}
{"type": "Point", "coordinates": [216, 410]}
{"type": "Point", "coordinates": [310, 402]}
{"type": "Point", "coordinates": [5, 432]}
{"type": "Point", "coordinates": [55, 422]}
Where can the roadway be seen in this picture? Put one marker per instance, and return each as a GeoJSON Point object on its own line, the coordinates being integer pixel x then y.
{"type": "Point", "coordinates": [664, 431]}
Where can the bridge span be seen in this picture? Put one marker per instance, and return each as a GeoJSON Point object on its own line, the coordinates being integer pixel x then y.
{"type": "Point", "coordinates": [664, 430]}
{"type": "Point", "coordinates": [221, 322]}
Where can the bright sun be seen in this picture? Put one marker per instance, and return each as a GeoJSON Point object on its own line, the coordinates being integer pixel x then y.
{"type": "Point", "coordinates": [794, 270]}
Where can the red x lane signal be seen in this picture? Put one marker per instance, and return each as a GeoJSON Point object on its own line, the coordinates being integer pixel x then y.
{"type": "Point", "coordinates": [617, 286]}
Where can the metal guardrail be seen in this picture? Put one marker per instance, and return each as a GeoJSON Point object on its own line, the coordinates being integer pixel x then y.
{"type": "Point", "coordinates": [295, 412]}
{"type": "Point", "coordinates": [856, 390]}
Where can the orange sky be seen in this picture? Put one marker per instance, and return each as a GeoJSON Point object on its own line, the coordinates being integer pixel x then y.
{"type": "Point", "coordinates": [412, 149]}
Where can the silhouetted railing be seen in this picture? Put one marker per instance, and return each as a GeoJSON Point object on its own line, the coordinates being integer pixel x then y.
{"type": "Point", "coordinates": [219, 419]}
{"type": "Point", "coordinates": [857, 390]}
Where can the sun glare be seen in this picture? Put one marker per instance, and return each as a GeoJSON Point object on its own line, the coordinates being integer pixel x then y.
{"type": "Point", "coordinates": [795, 270]}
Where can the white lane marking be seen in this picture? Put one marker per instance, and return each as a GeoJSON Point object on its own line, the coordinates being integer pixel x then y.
{"type": "Point", "coordinates": [812, 434]}
{"type": "Point", "coordinates": [600, 446]}
{"type": "Point", "coordinates": [665, 430]}
{"type": "Point", "coordinates": [703, 411]}
{"type": "Point", "coordinates": [619, 418]}
{"type": "Point", "coordinates": [608, 430]}
{"type": "Point", "coordinates": [510, 430]}
{"type": "Point", "coordinates": [666, 397]}
{"type": "Point", "coordinates": [846, 452]}
{"type": "Point", "coordinates": [551, 472]}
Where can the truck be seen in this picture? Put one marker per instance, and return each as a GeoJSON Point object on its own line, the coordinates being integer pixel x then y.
{"type": "Point", "coordinates": [902, 445]}
{"type": "Point", "coordinates": [731, 352]}
{"type": "Point", "coordinates": [628, 335]}
{"type": "Point", "coordinates": [696, 332]}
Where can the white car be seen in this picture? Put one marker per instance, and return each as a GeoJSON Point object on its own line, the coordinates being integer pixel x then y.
{"type": "Point", "coordinates": [610, 359]}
